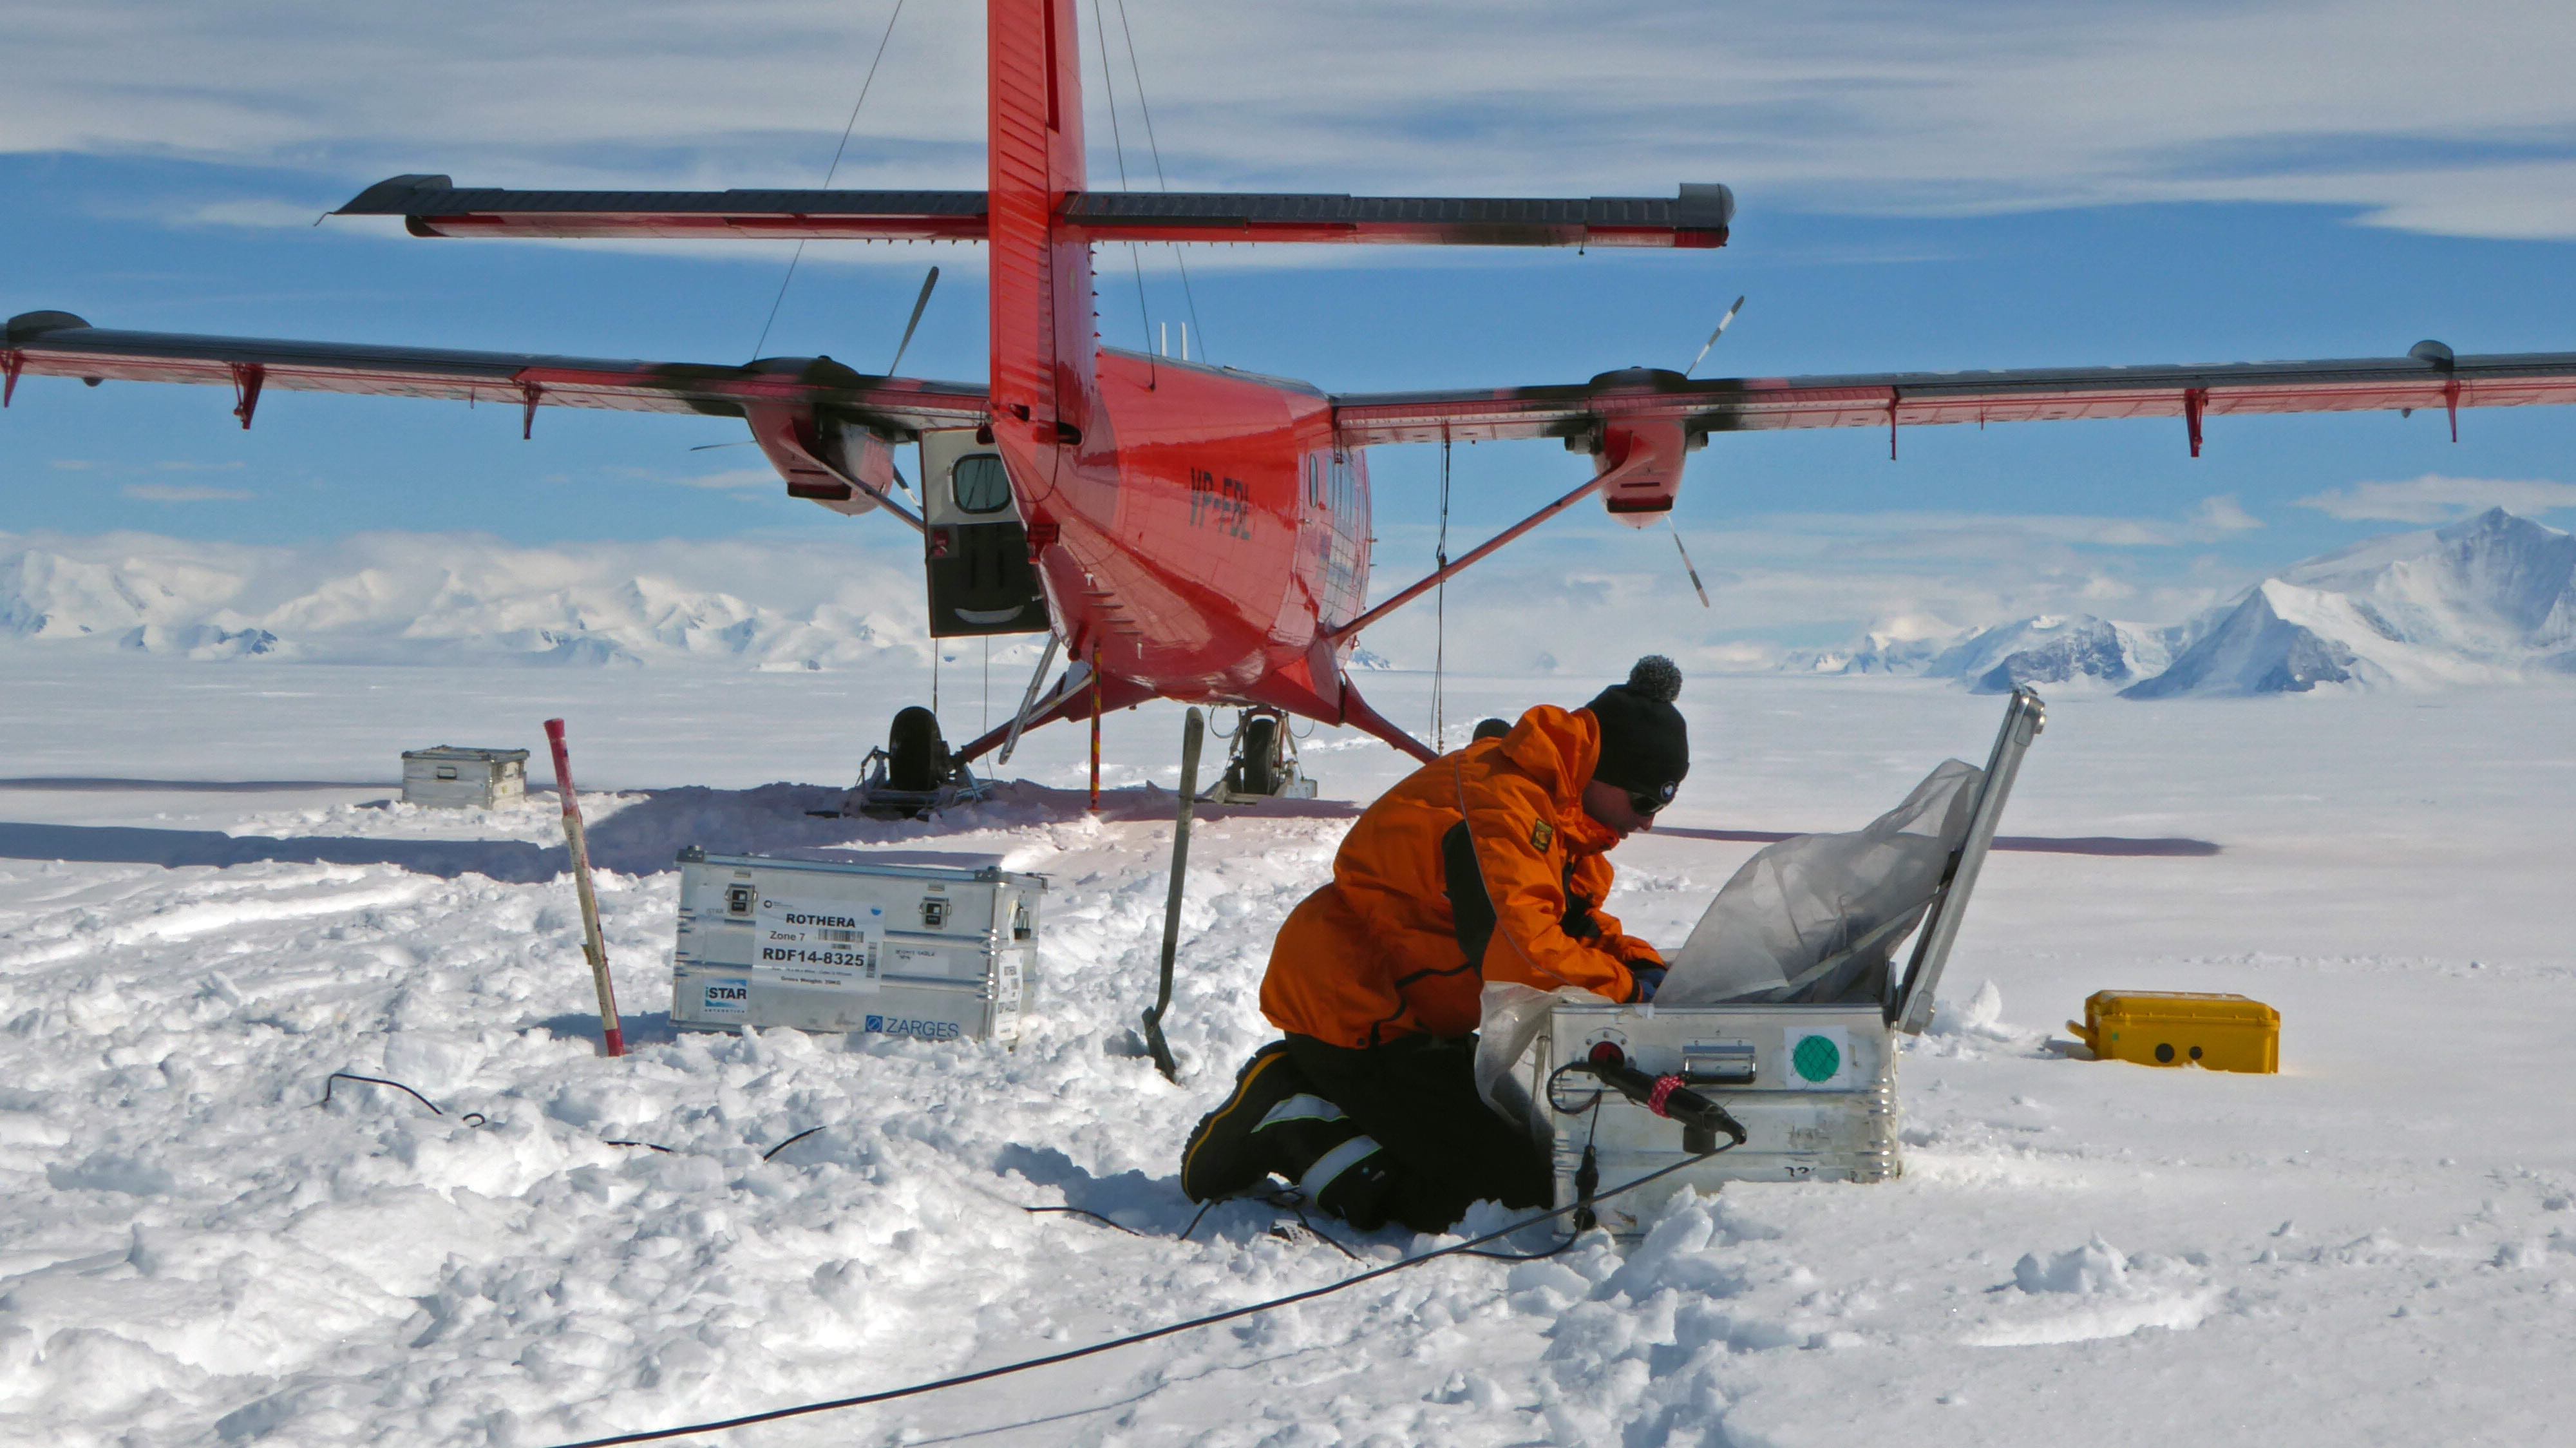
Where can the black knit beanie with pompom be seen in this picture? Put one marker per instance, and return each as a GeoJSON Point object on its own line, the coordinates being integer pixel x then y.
{"type": "Point", "coordinates": [1645, 746]}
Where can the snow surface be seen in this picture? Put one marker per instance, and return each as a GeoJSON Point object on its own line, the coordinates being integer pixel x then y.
{"type": "Point", "coordinates": [197, 925]}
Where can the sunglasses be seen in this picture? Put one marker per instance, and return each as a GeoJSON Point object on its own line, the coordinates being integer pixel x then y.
{"type": "Point", "coordinates": [1646, 802]}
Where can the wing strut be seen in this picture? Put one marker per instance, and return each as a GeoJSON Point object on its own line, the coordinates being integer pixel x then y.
{"type": "Point", "coordinates": [1028, 701]}
{"type": "Point", "coordinates": [1476, 554]}
{"type": "Point", "coordinates": [1643, 452]}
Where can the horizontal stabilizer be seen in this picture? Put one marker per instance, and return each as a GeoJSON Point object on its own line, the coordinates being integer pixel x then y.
{"type": "Point", "coordinates": [1698, 217]}
{"type": "Point", "coordinates": [434, 206]}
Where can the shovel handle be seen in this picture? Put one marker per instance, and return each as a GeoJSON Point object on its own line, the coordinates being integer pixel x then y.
{"type": "Point", "coordinates": [612, 1035]}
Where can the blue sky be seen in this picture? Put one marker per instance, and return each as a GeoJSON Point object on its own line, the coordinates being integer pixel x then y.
{"type": "Point", "coordinates": [2008, 186]}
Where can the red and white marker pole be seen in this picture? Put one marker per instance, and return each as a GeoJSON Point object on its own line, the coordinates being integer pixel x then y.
{"type": "Point", "coordinates": [612, 1036]}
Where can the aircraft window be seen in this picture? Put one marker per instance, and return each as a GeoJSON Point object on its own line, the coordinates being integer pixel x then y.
{"type": "Point", "coordinates": [982, 486]}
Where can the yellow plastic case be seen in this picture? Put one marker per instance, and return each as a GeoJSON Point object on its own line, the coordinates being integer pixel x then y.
{"type": "Point", "coordinates": [2182, 1028]}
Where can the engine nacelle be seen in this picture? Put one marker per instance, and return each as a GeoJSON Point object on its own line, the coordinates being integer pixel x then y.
{"type": "Point", "coordinates": [1640, 465]}
{"type": "Point", "coordinates": [819, 457]}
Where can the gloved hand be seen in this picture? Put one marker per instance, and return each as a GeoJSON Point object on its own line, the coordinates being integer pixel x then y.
{"type": "Point", "coordinates": [1650, 978]}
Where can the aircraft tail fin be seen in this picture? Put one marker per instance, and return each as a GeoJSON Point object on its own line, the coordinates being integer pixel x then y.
{"type": "Point", "coordinates": [1042, 338]}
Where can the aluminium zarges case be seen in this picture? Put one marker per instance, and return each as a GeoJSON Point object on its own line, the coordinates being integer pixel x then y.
{"type": "Point", "coordinates": [1814, 1085]}
{"type": "Point", "coordinates": [935, 952]}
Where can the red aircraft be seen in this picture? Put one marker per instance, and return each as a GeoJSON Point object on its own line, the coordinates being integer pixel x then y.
{"type": "Point", "coordinates": [1181, 530]}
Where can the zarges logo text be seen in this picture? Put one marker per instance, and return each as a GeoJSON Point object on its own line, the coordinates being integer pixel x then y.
{"type": "Point", "coordinates": [919, 1030]}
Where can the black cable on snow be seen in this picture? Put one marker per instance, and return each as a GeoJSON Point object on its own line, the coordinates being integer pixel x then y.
{"type": "Point", "coordinates": [791, 1141]}
{"type": "Point", "coordinates": [1168, 1330]}
{"type": "Point", "coordinates": [1460, 1249]}
{"type": "Point", "coordinates": [1084, 1212]}
{"type": "Point", "coordinates": [470, 1118]}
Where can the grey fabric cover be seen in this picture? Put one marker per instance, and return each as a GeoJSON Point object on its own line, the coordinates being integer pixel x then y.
{"type": "Point", "coordinates": [1815, 919]}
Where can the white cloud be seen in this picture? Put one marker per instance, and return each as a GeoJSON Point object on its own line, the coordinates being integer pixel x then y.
{"type": "Point", "coordinates": [184, 493]}
{"type": "Point", "coordinates": [729, 480]}
{"type": "Point", "coordinates": [2460, 127]}
{"type": "Point", "coordinates": [2434, 498]}
{"type": "Point", "coordinates": [733, 479]}
{"type": "Point", "coordinates": [1976, 535]}
{"type": "Point", "coordinates": [1787, 581]}
{"type": "Point", "coordinates": [2223, 515]}
{"type": "Point", "coordinates": [254, 213]}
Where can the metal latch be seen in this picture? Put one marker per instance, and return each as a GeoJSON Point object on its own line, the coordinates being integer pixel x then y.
{"type": "Point", "coordinates": [934, 913]}
{"type": "Point", "coordinates": [738, 899]}
{"type": "Point", "coordinates": [1722, 1063]}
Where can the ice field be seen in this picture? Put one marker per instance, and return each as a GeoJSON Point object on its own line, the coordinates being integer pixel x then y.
{"type": "Point", "coordinates": [2375, 1246]}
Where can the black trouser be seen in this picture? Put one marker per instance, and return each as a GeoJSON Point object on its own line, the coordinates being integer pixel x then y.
{"type": "Point", "coordinates": [1446, 1148]}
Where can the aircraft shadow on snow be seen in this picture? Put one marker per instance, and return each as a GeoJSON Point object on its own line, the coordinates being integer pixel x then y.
{"type": "Point", "coordinates": [642, 838]}
{"type": "Point", "coordinates": [645, 837]}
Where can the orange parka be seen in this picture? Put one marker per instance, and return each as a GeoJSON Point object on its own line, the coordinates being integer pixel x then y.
{"type": "Point", "coordinates": [1481, 866]}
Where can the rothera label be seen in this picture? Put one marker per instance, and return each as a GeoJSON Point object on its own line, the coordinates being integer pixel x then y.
{"type": "Point", "coordinates": [830, 944]}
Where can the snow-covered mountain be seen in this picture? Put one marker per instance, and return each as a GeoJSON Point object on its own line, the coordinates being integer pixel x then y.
{"type": "Point", "coordinates": [2491, 599]}
{"type": "Point", "coordinates": [415, 598]}
{"type": "Point", "coordinates": [1880, 651]}
{"type": "Point", "coordinates": [2045, 649]}
{"type": "Point", "coordinates": [2488, 600]}
{"type": "Point", "coordinates": [2054, 649]}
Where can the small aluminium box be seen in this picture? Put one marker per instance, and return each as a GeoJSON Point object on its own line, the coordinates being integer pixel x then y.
{"type": "Point", "coordinates": [2182, 1028]}
{"type": "Point", "coordinates": [453, 777]}
{"type": "Point", "coordinates": [936, 952]}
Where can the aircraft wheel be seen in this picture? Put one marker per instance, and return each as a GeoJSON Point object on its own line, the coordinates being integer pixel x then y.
{"type": "Point", "coordinates": [1261, 754]}
{"type": "Point", "coordinates": [917, 757]}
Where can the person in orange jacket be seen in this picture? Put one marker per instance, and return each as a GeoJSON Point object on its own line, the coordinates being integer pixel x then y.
{"type": "Point", "coordinates": [1487, 864]}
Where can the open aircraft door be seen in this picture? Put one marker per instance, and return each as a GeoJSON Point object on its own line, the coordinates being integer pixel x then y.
{"type": "Point", "coordinates": [976, 550]}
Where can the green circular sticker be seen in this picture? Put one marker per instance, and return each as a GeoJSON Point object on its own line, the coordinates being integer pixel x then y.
{"type": "Point", "coordinates": [1817, 1058]}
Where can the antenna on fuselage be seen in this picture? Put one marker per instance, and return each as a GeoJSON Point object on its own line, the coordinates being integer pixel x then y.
{"type": "Point", "coordinates": [1722, 324]}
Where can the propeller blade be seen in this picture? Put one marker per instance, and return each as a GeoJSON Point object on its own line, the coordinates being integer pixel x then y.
{"type": "Point", "coordinates": [1687, 566]}
{"type": "Point", "coordinates": [1722, 324]}
{"type": "Point", "coordinates": [918, 303]}
{"type": "Point", "coordinates": [712, 446]}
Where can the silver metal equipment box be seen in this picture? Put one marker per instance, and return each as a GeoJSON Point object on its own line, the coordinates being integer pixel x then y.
{"type": "Point", "coordinates": [937, 952]}
{"type": "Point", "coordinates": [452, 777]}
{"type": "Point", "coordinates": [1813, 1085]}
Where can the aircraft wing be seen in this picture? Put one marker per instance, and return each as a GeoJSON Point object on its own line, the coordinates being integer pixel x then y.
{"type": "Point", "coordinates": [2428, 377]}
{"type": "Point", "coordinates": [58, 344]}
